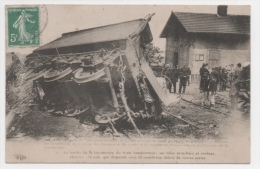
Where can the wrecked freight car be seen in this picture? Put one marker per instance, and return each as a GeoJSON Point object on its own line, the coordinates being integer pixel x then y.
{"type": "Point", "coordinates": [101, 71]}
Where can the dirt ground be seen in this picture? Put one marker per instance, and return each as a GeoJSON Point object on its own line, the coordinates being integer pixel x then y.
{"type": "Point", "coordinates": [184, 119]}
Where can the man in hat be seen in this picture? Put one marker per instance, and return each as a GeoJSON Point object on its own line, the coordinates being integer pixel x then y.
{"type": "Point", "coordinates": [166, 66]}
{"type": "Point", "coordinates": [183, 75]}
{"type": "Point", "coordinates": [238, 72]}
{"type": "Point", "coordinates": [203, 72]}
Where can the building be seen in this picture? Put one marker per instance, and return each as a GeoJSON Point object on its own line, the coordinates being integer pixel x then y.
{"type": "Point", "coordinates": [217, 39]}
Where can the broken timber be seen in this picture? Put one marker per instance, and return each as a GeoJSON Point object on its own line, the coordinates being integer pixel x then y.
{"type": "Point", "coordinates": [184, 121]}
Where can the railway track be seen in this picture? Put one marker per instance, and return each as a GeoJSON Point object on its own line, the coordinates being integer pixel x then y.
{"type": "Point", "coordinates": [226, 113]}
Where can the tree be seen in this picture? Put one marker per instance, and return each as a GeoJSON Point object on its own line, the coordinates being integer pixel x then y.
{"type": "Point", "coordinates": [152, 54]}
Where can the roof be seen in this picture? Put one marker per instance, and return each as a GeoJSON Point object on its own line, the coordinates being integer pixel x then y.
{"type": "Point", "coordinates": [210, 23]}
{"type": "Point", "coordinates": [106, 33]}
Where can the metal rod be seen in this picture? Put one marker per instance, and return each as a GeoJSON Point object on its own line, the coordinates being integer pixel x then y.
{"type": "Point", "coordinates": [202, 106]}
{"type": "Point", "coordinates": [112, 89]}
{"type": "Point", "coordinates": [241, 120]}
{"type": "Point", "coordinates": [57, 52]}
{"type": "Point", "coordinates": [184, 121]}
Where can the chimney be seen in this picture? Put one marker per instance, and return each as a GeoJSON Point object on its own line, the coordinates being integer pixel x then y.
{"type": "Point", "coordinates": [222, 10]}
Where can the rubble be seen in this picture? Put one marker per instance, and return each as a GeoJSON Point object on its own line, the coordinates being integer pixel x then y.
{"type": "Point", "coordinates": [185, 118]}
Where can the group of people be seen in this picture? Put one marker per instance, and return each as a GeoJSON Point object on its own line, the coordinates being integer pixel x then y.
{"type": "Point", "coordinates": [224, 76]}
{"type": "Point", "coordinates": [174, 75]}
{"type": "Point", "coordinates": [218, 79]}
{"type": "Point", "coordinates": [220, 75]}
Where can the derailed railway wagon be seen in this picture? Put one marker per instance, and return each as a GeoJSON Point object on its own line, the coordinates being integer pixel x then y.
{"type": "Point", "coordinates": [101, 71]}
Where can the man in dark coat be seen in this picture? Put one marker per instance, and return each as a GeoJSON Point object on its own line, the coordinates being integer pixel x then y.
{"type": "Point", "coordinates": [189, 73]}
{"type": "Point", "coordinates": [225, 78]}
{"type": "Point", "coordinates": [238, 72]}
{"type": "Point", "coordinates": [177, 70]}
{"type": "Point", "coordinates": [174, 78]}
{"type": "Point", "coordinates": [203, 74]}
{"type": "Point", "coordinates": [183, 79]}
{"type": "Point", "coordinates": [165, 67]}
{"type": "Point", "coordinates": [221, 79]}
{"type": "Point", "coordinates": [215, 74]}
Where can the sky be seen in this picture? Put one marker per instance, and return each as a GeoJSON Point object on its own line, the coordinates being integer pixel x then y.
{"type": "Point", "coordinates": [67, 18]}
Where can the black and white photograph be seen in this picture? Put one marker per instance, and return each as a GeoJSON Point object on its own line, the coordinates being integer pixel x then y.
{"type": "Point", "coordinates": [128, 83]}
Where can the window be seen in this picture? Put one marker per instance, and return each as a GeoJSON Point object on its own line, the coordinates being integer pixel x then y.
{"type": "Point", "coordinates": [214, 55]}
{"type": "Point", "coordinates": [199, 57]}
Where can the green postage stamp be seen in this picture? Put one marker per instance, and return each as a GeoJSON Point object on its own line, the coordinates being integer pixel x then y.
{"type": "Point", "coordinates": [23, 26]}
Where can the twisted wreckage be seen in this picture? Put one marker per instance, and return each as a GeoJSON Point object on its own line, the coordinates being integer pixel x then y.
{"type": "Point", "coordinates": [101, 71]}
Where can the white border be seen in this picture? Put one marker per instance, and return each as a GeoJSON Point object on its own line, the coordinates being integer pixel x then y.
{"type": "Point", "coordinates": [255, 62]}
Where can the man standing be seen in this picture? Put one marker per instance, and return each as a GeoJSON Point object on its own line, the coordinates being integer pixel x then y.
{"type": "Point", "coordinates": [221, 79]}
{"type": "Point", "coordinates": [238, 72]}
{"type": "Point", "coordinates": [188, 75]}
{"type": "Point", "coordinates": [187, 72]}
{"type": "Point", "coordinates": [202, 70]}
{"type": "Point", "coordinates": [183, 80]}
{"type": "Point", "coordinates": [174, 78]}
{"type": "Point", "coordinates": [238, 75]}
{"type": "Point", "coordinates": [204, 87]}
{"type": "Point", "coordinates": [165, 67]}
{"type": "Point", "coordinates": [204, 76]}
{"type": "Point", "coordinates": [177, 70]}
{"type": "Point", "coordinates": [168, 73]}
{"type": "Point", "coordinates": [231, 74]}
{"type": "Point", "coordinates": [225, 78]}
{"type": "Point", "coordinates": [215, 74]}
{"type": "Point", "coordinates": [212, 87]}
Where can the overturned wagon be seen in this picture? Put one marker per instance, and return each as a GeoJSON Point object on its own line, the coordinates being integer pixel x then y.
{"type": "Point", "coordinates": [100, 70]}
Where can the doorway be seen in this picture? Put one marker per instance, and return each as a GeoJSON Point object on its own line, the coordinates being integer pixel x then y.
{"type": "Point", "coordinates": [175, 59]}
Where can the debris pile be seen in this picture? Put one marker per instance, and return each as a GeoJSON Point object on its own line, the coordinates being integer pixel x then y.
{"type": "Point", "coordinates": [18, 92]}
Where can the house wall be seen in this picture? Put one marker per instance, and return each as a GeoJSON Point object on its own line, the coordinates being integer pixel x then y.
{"type": "Point", "coordinates": [170, 47]}
{"type": "Point", "coordinates": [177, 42]}
{"type": "Point", "coordinates": [234, 57]}
{"type": "Point", "coordinates": [232, 49]}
